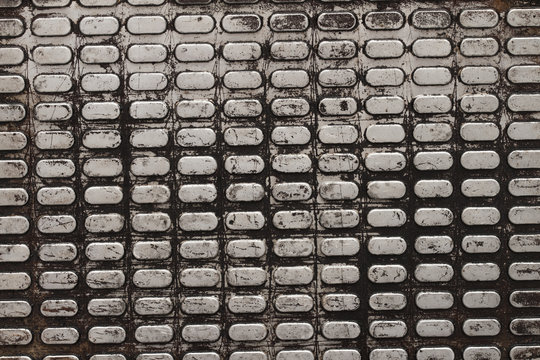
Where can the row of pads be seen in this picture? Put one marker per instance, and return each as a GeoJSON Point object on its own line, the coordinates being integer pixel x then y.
{"type": "Point", "coordinates": [285, 331]}
{"type": "Point", "coordinates": [108, 3]}
{"type": "Point", "coordinates": [333, 274]}
{"type": "Point", "coordinates": [280, 135]}
{"type": "Point", "coordinates": [283, 163]}
{"type": "Point", "coordinates": [483, 18]}
{"type": "Point", "coordinates": [256, 249]}
{"type": "Point", "coordinates": [250, 108]}
{"type": "Point", "coordinates": [522, 352]}
{"type": "Point", "coordinates": [250, 80]}
{"type": "Point", "coordinates": [257, 304]}
{"type": "Point", "coordinates": [255, 220]}
{"type": "Point", "coordinates": [278, 22]}
{"type": "Point", "coordinates": [280, 79]}
{"type": "Point", "coordinates": [291, 50]}
{"type": "Point", "coordinates": [286, 248]}
{"type": "Point", "coordinates": [333, 330]}
{"type": "Point", "coordinates": [252, 191]}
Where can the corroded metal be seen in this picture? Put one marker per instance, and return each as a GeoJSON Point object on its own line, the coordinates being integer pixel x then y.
{"type": "Point", "coordinates": [256, 180]}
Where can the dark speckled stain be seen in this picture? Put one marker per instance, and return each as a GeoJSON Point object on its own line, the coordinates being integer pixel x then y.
{"type": "Point", "coordinates": [526, 327]}
{"type": "Point", "coordinates": [337, 21]}
{"type": "Point", "coordinates": [289, 22]}
{"type": "Point", "coordinates": [527, 299]}
{"type": "Point", "coordinates": [250, 23]}
{"type": "Point", "coordinates": [389, 19]}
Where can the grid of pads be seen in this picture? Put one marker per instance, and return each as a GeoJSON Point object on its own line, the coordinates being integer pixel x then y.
{"type": "Point", "coordinates": [257, 180]}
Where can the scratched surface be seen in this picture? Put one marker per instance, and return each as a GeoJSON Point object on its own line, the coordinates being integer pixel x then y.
{"type": "Point", "coordinates": [257, 180]}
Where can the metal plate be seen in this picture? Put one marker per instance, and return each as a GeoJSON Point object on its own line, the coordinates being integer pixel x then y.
{"type": "Point", "coordinates": [269, 180]}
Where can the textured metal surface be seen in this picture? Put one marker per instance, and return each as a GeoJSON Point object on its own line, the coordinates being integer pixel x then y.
{"type": "Point", "coordinates": [269, 180]}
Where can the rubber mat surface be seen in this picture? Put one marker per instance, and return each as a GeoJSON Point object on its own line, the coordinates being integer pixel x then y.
{"type": "Point", "coordinates": [281, 180]}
